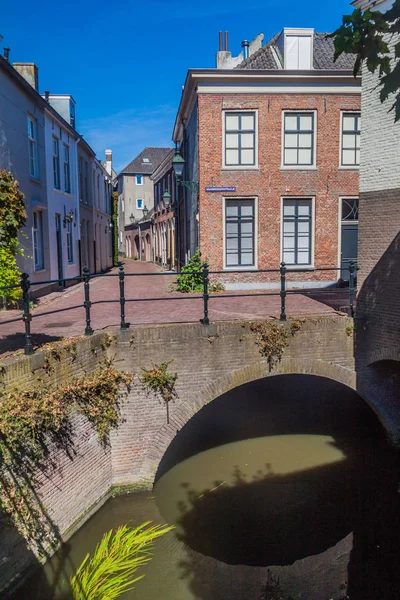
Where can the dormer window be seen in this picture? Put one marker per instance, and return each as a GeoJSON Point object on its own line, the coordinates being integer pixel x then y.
{"type": "Point", "coordinates": [298, 49]}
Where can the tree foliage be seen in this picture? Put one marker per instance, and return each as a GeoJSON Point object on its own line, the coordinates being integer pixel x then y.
{"type": "Point", "coordinates": [12, 210]}
{"type": "Point", "coordinates": [365, 34]}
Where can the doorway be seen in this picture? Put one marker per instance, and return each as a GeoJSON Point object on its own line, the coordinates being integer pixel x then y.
{"type": "Point", "coordinates": [348, 234]}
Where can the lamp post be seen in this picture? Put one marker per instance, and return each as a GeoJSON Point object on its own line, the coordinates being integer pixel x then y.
{"type": "Point", "coordinates": [166, 198]}
{"type": "Point", "coordinates": [145, 211]}
{"type": "Point", "coordinates": [132, 219]}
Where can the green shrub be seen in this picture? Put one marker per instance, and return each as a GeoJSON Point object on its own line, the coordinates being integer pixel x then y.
{"type": "Point", "coordinates": [9, 275]}
{"type": "Point", "coordinates": [191, 279]}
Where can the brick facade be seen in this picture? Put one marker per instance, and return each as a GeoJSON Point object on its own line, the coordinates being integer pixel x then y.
{"type": "Point", "coordinates": [269, 183]}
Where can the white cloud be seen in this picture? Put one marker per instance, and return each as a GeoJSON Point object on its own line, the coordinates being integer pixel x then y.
{"type": "Point", "coordinates": [127, 133]}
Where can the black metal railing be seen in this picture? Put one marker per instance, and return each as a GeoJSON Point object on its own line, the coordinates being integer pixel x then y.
{"type": "Point", "coordinates": [87, 304]}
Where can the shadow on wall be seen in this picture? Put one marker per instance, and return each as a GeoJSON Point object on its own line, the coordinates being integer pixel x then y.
{"type": "Point", "coordinates": [274, 519]}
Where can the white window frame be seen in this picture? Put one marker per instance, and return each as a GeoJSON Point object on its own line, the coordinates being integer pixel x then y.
{"type": "Point", "coordinates": [310, 267]}
{"type": "Point", "coordinates": [339, 253]}
{"type": "Point", "coordinates": [56, 161]}
{"type": "Point", "coordinates": [311, 167]}
{"type": "Point", "coordinates": [67, 169]}
{"type": "Point", "coordinates": [33, 144]}
{"type": "Point", "coordinates": [38, 232]}
{"type": "Point", "coordinates": [254, 167]}
{"type": "Point", "coordinates": [141, 179]}
{"type": "Point", "coordinates": [341, 166]}
{"type": "Point", "coordinates": [137, 203]}
{"type": "Point", "coordinates": [70, 242]}
{"type": "Point", "coordinates": [245, 267]}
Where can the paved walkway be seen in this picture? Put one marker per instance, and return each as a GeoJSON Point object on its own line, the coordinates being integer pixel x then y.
{"type": "Point", "coordinates": [175, 308]}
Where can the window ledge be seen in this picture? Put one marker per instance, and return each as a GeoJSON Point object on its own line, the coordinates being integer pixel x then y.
{"type": "Point", "coordinates": [36, 181]}
{"type": "Point", "coordinates": [57, 191]}
{"type": "Point", "coordinates": [249, 268]}
{"type": "Point", "coordinates": [239, 168]}
{"type": "Point", "coordinates": [349, 168]}
{"type": "Point", "coordinates": [298, 168]}
{"type": "Point", "coordinates": [297, 268]}
{"type": "Point", "coordinates": [69, 194]}
{"type": "Point", "coordinates": [41, 270]}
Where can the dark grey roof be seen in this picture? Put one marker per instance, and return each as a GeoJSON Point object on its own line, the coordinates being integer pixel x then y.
{"type": "Point", "coordinates": [141, 166]}
{"type": "Point", "coordinates": [323, 56]}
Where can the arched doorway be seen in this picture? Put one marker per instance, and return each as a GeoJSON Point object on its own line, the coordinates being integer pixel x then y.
{"type": "Point", "coordinates": [148, 248]}
{"type": "Point", "coordinates": [136, 247]}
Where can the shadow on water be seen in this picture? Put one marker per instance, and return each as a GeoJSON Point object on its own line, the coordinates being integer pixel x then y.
{"type": "Point", "coordinates": [278, 519]}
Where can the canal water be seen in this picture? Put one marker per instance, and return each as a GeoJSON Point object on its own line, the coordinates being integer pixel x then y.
{"type": "Point", "coordinates": [282, 489]}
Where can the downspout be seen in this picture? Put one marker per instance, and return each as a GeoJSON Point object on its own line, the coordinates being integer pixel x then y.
{"type": "Point", "coordinates": [78, 204]}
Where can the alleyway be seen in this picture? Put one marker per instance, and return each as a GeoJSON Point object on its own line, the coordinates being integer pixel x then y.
{"type": "Point", "coordinates": [175, 308]}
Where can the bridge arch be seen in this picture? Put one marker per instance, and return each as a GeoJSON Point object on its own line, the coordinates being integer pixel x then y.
{"type": "Point", "coordinates": [212, 390]}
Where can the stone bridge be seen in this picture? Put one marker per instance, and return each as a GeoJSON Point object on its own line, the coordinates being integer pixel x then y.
{"type": "Point", "coordinates": [209, 361]}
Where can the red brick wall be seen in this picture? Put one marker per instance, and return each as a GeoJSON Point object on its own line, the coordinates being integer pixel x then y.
{"type": "Point", "coordinates": [269, 183]}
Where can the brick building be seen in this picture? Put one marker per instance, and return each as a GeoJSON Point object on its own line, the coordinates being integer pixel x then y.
{"type": "Point", "coordinates": [272, 137]}
{"type": "Point", "coordinates": [165, 213]}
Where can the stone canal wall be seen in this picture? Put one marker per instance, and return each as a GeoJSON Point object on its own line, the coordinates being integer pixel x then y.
{"type": "Point", "coordinates": [209, 361]}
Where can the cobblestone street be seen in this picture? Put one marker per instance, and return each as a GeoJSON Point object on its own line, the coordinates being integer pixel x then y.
{"type": "Point", "coordinates": [174, 308]}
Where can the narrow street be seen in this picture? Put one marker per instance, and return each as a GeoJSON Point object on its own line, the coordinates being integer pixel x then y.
{"type": "Point", "coordinates": [174, 307]}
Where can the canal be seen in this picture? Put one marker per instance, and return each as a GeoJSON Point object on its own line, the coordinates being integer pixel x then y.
{"type": "Point", "coordinates": [281, 489]}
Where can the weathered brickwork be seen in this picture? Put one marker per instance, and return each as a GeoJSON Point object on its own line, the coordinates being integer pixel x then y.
{"type": "Point", "coordinates": [209, 361]}
{"type": "Point", "coordinates": [270, 183]}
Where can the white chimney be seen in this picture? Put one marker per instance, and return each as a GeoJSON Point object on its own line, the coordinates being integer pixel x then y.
{"type": "Point", "coordinates": [109, 162]}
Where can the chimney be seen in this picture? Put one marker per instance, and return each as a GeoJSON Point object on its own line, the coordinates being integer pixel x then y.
{"type": "Point", "coordinates": [7, 54]}
{"type": "Point", "coordinates": [245, 46]}
{"type": "Point", "coordinates": [109, 162]}
{"type": "Point", "coordinates": [29, 72]}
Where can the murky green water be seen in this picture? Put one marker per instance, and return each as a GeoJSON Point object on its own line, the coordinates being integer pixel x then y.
{"type": "Point", "coordinates": [294, 477]}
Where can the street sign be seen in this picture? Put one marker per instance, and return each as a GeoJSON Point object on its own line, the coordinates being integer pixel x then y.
{"type": "Point", "coordinates": [211, 189]}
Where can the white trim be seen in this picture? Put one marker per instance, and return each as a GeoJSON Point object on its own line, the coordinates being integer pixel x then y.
{"type": "Point", "coordinates": [240, 167]}
{"type": "Point", "coordinates": [298, 32]}
{"type": "Point", "coordinates": [312, 167]}
{"type": "Point", "coordinates": [280, 88]}
{"type": "Point", "coordinates": [243, 268]}
{"type": "Point", "coordinates": [346, 167]}
{"type": "Point", "coordinates": [310, 267]}
{"type": "Point", "coordinates": [340, 231]}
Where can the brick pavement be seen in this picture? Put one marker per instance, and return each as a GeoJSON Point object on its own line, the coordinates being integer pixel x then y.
{"type": "Point", "coordinates": [176, 309]}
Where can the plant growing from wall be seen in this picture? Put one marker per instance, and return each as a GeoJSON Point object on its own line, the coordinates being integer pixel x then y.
{"type": "Point", "coordinates": [112, 569]}
{"type": "Point", "coordinates": [160, 382]}
{"type": "Point", "coordinates": [33, 421]}
{"type": "Point", "coordinates": [12, 219]}
{"type": "Point", "coordinates": [272, 338]}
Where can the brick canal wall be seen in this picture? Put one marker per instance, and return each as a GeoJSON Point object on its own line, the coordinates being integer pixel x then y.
{"type": "Point", "coordinates": [209, 362]}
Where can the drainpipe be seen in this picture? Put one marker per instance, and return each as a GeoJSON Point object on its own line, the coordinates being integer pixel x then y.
{"type": "Point", "coordinates": [78, 206]}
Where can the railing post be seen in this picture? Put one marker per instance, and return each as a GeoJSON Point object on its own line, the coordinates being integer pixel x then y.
{"type": "Point", "coordinates": [87, 304]}
{"type": "Point", "coordinates": [352, 287]}
{"type": "Point", "coordinates": [283, 291]}
{"type": "Point", "coordinates": [206, 296]}
{"type": "Point", "coordinates": [122, 300]}
{"type": "Point", "coordinates": [27, 317]}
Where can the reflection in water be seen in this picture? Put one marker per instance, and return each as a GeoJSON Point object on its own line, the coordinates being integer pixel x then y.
{"type": "Point", "coordinates": [292, 473]}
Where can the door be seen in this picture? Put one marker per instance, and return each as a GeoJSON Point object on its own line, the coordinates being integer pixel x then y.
{"type": "Point", "coordinates": [59, 247]}
{"type": "Point", "coordinates": [349, 235]}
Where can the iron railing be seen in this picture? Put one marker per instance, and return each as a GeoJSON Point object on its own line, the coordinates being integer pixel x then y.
{"type": "Point", "coordinates": [86, 277]}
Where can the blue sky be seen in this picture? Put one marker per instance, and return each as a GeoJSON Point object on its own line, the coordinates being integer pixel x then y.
{"type": "Point", "coordinates": [125, 61]}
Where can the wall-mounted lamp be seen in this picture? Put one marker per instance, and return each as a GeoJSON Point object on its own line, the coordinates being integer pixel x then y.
{"type": "Point", "coordinates": [69, 217]}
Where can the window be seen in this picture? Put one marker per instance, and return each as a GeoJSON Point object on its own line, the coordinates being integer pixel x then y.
{"type": "Point", "coordinates": [38, 240]}
{"type": "Point", "coordinates": [67, 173]}
{"type": "Point", "coordinates": [139, 203]}
{"type": "Point", "coordinates": [146, 160]}
{"type": "Point", "coordinates": [350, 147]}
{"type": "Point", "coordinates": [56, 163]}
{"type": "Point", "coordinates": [297, 232]}
{"type": "Point", "coordinates": [298, 149]}
{"type": "Point", "coordinates": [239, 233]}
{"type": "Point", "coordinates": [349, 209]}
{"type": "Point", "coordinates": [33, 149]}
{"type": "Point", "coordinates": [86, 181]}
{"type": "Point", "coordinates": [240, 139]}
{"type": "Point", "coordinates": [139, 179]}
{"type": "Point", "coordinates": [80, 169]}
{"type": "Point", "coordinates": [70, 242]}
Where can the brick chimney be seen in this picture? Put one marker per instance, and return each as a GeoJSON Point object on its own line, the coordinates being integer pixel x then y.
{"type": "Point", "coordinates": [29, 72]}
{"type": "Point", "coordinates": [109, 162]}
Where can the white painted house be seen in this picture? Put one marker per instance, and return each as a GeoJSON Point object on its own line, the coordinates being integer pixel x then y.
{"type": "Point", "coordinates": [61, 141]}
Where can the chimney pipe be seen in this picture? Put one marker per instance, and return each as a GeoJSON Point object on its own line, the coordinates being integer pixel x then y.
{"type": "Point", "coordinates": [245, 46]}
{"type": "Point", "coordinates": [47, 95]}
{"type": "Point", "coordinates": [226, 41]}
{"type": "Point", "coordinates": [7, 54]}
{"type": "Point", "coordinates": [220, 41]}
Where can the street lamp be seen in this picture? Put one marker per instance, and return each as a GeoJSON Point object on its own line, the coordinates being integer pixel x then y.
{"type": "Point", "coordinates": [145, 211]}
{"type": "Point", "coordinates": [178, 164]}
{"type": "Point", "coordinates": [166, 198]}
{"type": "Point", "coordinates": [132, 218]}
